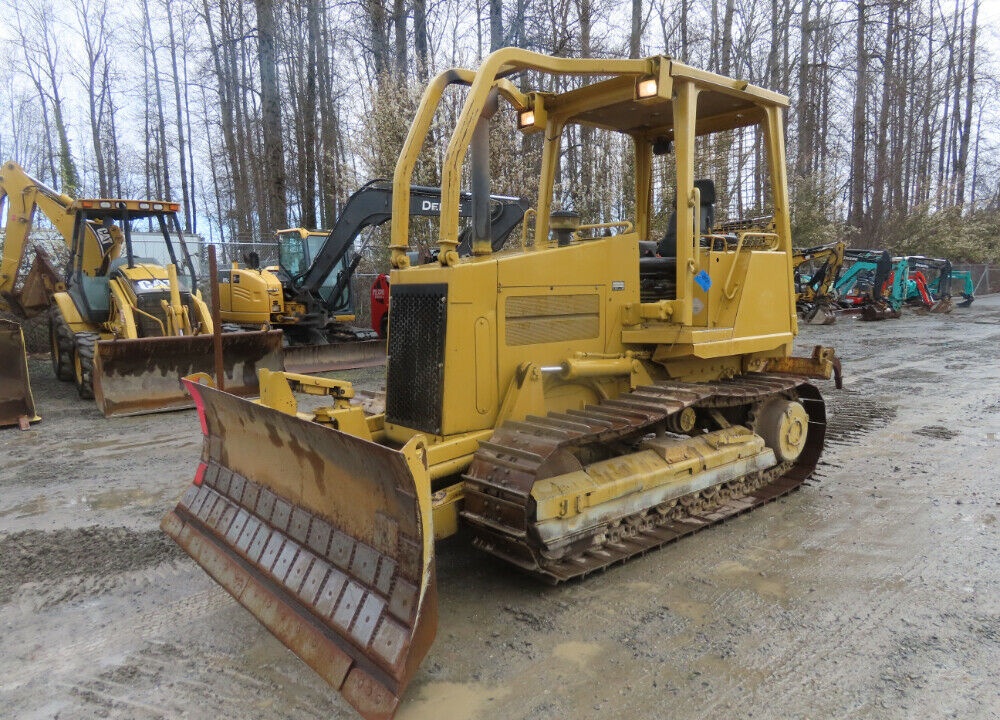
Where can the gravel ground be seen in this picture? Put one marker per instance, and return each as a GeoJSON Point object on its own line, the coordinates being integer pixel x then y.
{"type": "Point", "coordinates": [871, 593]}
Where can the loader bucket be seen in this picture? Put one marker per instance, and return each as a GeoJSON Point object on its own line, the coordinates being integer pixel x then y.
{"type": "Point", "coordinates": [135, 377]}
{"type": "Point", "coordinates": [308, 359]}
{"type": "Point", "coordinates": [324, 537]}
{"type": "Point", "coordinates": [17, 407]}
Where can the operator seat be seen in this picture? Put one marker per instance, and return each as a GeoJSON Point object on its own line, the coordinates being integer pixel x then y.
{"type": "Point", "coordinates": [668, 245]}
{"type": "Point", "coordinates": [658, 274]}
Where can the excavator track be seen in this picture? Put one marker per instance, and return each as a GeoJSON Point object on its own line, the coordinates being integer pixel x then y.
{"type": "Point", "coordinates": [498, 503]}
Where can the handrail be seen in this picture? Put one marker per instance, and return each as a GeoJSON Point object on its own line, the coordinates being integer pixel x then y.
{"type": "Point", "coordinates": [497, 65]}
{"type": "Point", "coordinates": [626, 226]}
{"type": "Point", "coordinates": [728, 289]}
{"type": "Point", "coordinates": [530, 212]}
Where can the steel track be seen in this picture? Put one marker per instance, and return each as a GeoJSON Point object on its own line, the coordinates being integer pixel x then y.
{"type": "Point", "coordinates": [498, 504]}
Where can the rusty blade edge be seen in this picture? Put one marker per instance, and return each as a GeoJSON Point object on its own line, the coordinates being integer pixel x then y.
{"type": "Point", "coordinates": [183, 401]}
{"type": "Point", "coordinates": [179, 520]}
{"type": "Point", "coordinates": [336, 356]}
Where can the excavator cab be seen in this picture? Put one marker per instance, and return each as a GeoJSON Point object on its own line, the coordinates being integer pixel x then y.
{"type": "Point", "coordinates": [544, 397]}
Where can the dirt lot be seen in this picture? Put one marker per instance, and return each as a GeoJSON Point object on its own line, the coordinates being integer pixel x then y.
{"type": "Point", "coordinates": [873, 592]}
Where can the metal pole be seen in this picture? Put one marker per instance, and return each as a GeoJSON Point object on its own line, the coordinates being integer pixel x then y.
{"type": "Point", "coordinates": [213, 283]}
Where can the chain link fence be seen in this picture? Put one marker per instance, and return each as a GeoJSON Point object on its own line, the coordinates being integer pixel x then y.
{"type": "Point", "coordinates": [985, 278]}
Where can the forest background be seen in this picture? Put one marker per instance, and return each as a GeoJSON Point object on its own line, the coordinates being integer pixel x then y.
{"type": "Point", "coordinates": [268, 114]}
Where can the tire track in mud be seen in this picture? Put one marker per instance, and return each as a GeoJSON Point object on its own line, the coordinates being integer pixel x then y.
{"type": "Point", "coordinates": [70, 562]}
{"type": "Point", "coordinates": [161, 619]}
{"type": "Point", "coordinates": [851, 415]}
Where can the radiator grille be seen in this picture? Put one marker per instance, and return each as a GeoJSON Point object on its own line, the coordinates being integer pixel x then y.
{"type": "Point", "coordinates": [552, 318]}
{"type": "Point", "coordinates": [150, 302]}
{"type": "Point", "coordinates": [415, 367]}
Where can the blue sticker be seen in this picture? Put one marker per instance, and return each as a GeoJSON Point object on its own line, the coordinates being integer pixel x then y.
{"type": "Point", "coordinates": [703, 280]}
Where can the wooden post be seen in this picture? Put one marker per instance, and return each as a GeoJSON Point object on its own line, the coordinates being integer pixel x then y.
{"type": "Point", "coordinates": [213, 281]}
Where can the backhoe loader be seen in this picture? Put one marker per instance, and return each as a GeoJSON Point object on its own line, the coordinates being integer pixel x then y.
{"type": "Point", "coordinates": [541, 396]}
{"type": "Point", "coordinates": [814, 297]}
{"type": "Point", "coordinates": [124, 328]}
{"type": "Point", "coordinates": [308, 295]}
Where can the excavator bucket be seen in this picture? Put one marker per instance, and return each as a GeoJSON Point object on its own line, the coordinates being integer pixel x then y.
{"type": "Point", "coordinates": [325, 537]}
{"type": "Point", "coordinates": [39, 284]}
{"type": "Point", "coordinates": [943, 306]}
{"type": "Point", "coordinates": [135, 377]}
{"type": "Point", "coordinates": [308, 359]}
{"type": "Point", "coordinates": [820, 314]}
{"type": "Point", "coordinates": [17, 407]}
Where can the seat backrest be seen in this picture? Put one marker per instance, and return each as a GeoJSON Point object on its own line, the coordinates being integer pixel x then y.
{"type": "Point", "coordinates": [668, 245]}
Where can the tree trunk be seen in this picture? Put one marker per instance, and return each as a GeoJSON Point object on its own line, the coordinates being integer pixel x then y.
{"type": "Point", "coordinates": [270, 105]}
{"type": "Point", "coordinates": [307, 151]}
{"type": "Point", "coordinates": [420, 38]}
{"type": "Point", "coordinates": [496, 25]}
{"type": "Point", "coordinates": [635, 37]}
{"type": "Point", "coordinates": [970, 83]}
{"type": "Point", "coordinates": [856, 210]}
{"type": "Point", "coordinates": [162, 157]}
{"type": "Point", "coordinates": [804, 156]}
{"type": "Point", "coordinates": [399, 32]}
{"type": "Point", "coordinates": [181, 145]}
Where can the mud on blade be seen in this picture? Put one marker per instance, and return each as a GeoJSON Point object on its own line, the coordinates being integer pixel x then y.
{"type": "Point", "coordinates": [323, 536]}
{"type": "Point", "coordinates": [134, 377]}
{"type": "Point", "coordinates": [335, 356]}
{"type": "Point", "coordinates": [15, 388]}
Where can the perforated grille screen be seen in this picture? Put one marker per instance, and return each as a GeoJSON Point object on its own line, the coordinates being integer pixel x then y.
{"type": "Point", "coordinates": [415, 368]}
{"type": "Point", "coordinates": [548, 318]}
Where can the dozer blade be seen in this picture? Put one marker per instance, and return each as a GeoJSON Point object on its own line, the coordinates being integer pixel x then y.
{"type": "Point", "coordinates": [335, 356]}
{"type": "Point", "coordinates": [17, 407]}
{"type": "Point", "coordinates": [326, 538]}
{"type": "Point", "coordinates": [135, 377]}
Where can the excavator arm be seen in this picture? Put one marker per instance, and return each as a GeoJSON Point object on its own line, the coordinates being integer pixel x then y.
{"type": "Point", "coordinates": [371, 206]}
{"type": "Point", "coordinates": [21, 195]}
{"type": "Point", "coordinates": [814, 298]}
{"type": "Point", "coordinates": [830, 258]}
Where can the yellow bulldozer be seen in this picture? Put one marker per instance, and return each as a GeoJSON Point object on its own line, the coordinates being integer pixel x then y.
{"type": "Point", "coordinates": [601, 389]}
{"type": "Point", "coordinates": [123, 327]}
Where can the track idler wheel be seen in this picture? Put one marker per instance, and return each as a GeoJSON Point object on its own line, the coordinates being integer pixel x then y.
{"type": "Point", "coordinates": [784, 425]}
